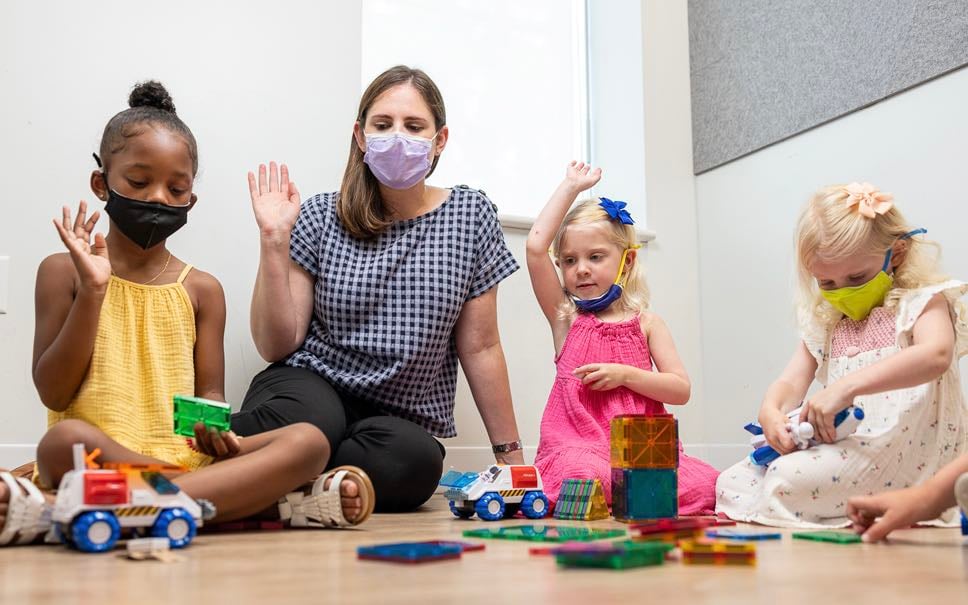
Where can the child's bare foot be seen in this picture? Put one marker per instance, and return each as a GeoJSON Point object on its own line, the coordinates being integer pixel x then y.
{"type": "Point", "coordinates": [24, 510]}
{"type": "Point", "coordinates": [323, 506]}
{"type": "Point", "coordinates": [350, 498]}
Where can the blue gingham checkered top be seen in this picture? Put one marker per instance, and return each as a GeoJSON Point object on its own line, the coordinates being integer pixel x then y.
{"type": "Point", "coordinates": [385, 309]}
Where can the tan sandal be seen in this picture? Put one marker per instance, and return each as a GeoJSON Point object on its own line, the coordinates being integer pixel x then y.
{"type": "Point", "coordinates": [322, 507]}
{"type": "Point", "coordinates": [28, 514]}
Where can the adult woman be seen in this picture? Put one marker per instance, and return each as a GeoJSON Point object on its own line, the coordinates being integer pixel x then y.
{"type": "Point", "coordinates": [366, 298]}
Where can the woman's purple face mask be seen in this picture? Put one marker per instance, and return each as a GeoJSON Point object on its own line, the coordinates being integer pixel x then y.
{"type": "Point", "coordinates": [398, 137]}
{"type": "Point", "coordinates": [397, 160]}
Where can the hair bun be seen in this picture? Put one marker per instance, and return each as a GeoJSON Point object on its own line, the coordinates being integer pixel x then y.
{"type": "Point", "coordinates": [151, 94]}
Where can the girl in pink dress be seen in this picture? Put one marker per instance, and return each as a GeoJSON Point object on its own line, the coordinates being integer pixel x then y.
{"type": "Point", "coordinates": [606, 341]}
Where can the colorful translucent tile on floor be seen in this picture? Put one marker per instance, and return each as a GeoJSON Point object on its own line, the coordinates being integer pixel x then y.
{"type": "Point", "coordinates": [705, 552]}
{"type": "Point", "coordinates": [416, 552]}
{"type": "Point", "coordinates": [612, 555]}
{"type": "Point", "coordinates": [544, 533]}
{"type": "Point", "coordinates": [743, 535]}
{"type": "Point", "coordinates": [837, 537]}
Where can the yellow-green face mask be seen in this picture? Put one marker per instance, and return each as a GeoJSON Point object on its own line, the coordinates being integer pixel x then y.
{"type": "Point", "coordinates": [857, 302]}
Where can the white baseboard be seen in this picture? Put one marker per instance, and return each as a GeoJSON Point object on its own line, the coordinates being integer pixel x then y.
{"type": "Point", "coordinates": [472, 458]}
{"type": "Point", "coordinates": [13, 455]}
{"type": "Point", "coordinates": [720, 455]}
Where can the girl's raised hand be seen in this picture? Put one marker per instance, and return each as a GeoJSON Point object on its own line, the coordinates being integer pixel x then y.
{"type": "Point", "coordinates": [90, 258]}
{"type": "Point", "coordinates": [581, 176]}
{"type": "Point", "coordinates": [275, 201]}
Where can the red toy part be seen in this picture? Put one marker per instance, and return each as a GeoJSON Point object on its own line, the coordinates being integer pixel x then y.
{"type": "Point", "coordinates": [672, 537]}
{"type": "Point", "coordinates": [523, 477]}
{"type": "Point", "coordinates": [464, 546]}
{"type": "Point", "coordinates": [105, 488]}
{"type": "Point", "coordinates": [540, 550]}
{"type": "Point", "coordinates": [244, 525]}
{"type": "Point", "coordinates": [661, 526]}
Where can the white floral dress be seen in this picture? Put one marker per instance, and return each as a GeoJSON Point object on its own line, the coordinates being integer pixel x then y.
{"type": "Point", "coordinates": [905, 437]}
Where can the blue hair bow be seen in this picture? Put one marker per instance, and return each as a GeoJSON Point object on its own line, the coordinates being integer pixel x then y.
{"type": "Point", "coordinates": [616, 210]}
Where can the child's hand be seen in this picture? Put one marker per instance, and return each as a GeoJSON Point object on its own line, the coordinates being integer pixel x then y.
{"type": "Point", "coordinates": [897, 509]}
{"type": "Point", "coordinates": [774, 423]}
{"type": "Point", "coordinates": [821, 408]}
{"type": "Point", "coordinates": [215, 443]}
{"type": "Point", "coordinates": [602, 376]}
{"type": "Point", "coordinates": [92, 263]}
{"type": "Point", "coordinates": [581, 176]}
{"type": "Point", "coordinates": [275, 201]}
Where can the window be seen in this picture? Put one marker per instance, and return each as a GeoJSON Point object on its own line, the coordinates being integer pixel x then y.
{"type": "Point", "coordinates": [513, 77]}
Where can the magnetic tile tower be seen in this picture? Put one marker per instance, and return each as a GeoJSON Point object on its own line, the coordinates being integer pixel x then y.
{"type": "Point", "coordinates": [645, 463]}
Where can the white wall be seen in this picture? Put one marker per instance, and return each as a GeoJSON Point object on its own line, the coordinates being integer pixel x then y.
{"type": "Point", "coordinates": [671, 260]}
{"type": "Point", "coordinates": [253, 81]}
{"type": "Point", "coordinates": [911, 145]}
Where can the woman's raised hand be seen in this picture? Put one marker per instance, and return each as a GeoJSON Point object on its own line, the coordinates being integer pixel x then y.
{"type": "Point", "coordinates": [90, 258]}
{"type": "Point", "coordinates": [275, 201]}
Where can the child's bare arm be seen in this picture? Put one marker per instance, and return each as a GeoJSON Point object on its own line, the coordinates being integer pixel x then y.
{"type": "Point", "coordinates": [68, 295]}
{"type": "Point", "coordinates": [210, 336]}
{"type": "Point", "coordinates": [544, 278]}
{"type": "Point", "coordinates": [929, 355]}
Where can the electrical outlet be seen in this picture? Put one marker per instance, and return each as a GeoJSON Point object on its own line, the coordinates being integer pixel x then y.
{"type": "Point", "coordinates": [4, 279]}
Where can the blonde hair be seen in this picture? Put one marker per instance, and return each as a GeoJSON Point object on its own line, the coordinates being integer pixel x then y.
{"type": "Point", "coordinates": [359, 206]}
{"type": "Point", "coordinates": [635, 292]}
{"type": "Point", "coordinates": [829, 230]}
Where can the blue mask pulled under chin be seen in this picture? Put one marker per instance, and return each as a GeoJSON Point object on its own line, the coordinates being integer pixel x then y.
{"type": "Point", "coordinates": [599, 303]}
{"type": "Point", "coordinates": [614, 292]}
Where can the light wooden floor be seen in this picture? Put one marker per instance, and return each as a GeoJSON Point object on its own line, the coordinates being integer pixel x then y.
{"type": "Point", "coordinates": [920, 566]}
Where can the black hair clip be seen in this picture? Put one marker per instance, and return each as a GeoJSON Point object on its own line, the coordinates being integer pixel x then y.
{"type": "Point", "coordinates": [97, 159]}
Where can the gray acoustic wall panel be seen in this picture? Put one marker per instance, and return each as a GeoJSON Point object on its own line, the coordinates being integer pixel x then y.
{"type": "Point", "coordinates": [764, 70]}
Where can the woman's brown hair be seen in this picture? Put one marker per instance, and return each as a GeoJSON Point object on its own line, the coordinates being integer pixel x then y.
{"type": "Point", "coordinates": [360, 207]}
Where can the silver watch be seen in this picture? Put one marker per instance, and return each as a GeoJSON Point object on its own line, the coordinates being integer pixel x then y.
{"type": "Point", "coordinates": [504, 448]}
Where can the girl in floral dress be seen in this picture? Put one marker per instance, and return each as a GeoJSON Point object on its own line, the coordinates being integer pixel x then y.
{"type": "Point", "coordinates": [882, 330]}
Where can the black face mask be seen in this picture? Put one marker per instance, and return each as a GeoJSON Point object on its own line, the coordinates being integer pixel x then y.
{"type": "Point", "coordinates": [145, 223]}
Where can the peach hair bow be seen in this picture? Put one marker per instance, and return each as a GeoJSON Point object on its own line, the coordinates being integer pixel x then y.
{"type": "Point", "coordinates": [869, 201]}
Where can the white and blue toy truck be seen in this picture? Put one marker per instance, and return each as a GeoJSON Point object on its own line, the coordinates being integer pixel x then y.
{"type": "Point", "coordinates": [94, 506]}
{"type": "Point", "coordinates": [498, 492]}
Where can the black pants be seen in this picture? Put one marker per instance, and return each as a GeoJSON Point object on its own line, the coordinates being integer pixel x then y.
{"type": "Point", "coordinates": [402, 459]}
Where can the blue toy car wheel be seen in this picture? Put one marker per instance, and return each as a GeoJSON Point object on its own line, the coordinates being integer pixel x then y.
{"type": "Point", "coordinates": [490, 507]}
{"type": "Point", "coordinates": [462, 513]}
{"type": "Point", "coordinates": [534, 505]}
{"type": "Point", "coordinates": [95, 531]}
{"type": "Point", "coordinates": [176, 525]}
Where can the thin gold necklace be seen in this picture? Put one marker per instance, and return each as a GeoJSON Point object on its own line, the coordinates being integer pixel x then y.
{"type": "Point", "coordinates": [160, 273]}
